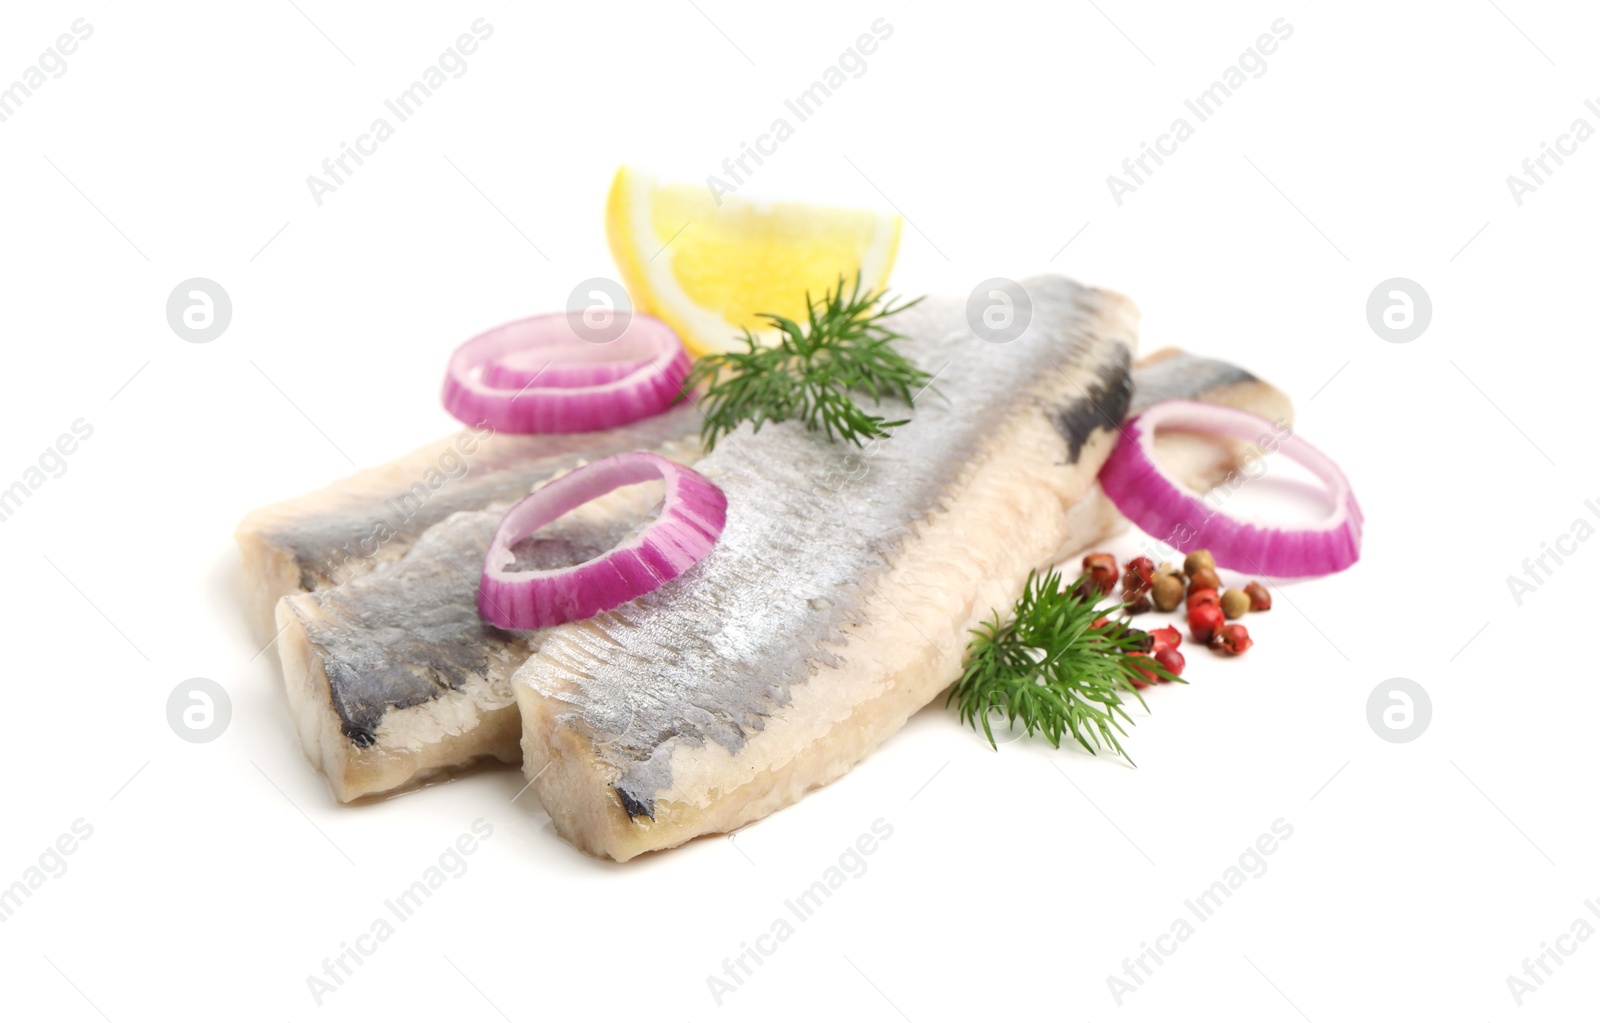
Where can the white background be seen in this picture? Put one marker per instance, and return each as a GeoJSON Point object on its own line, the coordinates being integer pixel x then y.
{"type": "Point", "coordinates": [1376, 144]}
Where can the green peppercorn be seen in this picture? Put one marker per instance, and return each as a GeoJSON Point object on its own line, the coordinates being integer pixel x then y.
{"type": "Point", "coordinates": [1167, 591]}
{"type": "Point", "coordinates": [1197, 560]}
{"type": "Point", "coordinates": [1235, 603]}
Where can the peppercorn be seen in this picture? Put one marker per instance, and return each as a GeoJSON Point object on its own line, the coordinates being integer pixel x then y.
{"type": "Point", "coordinates": [1137, 576]}
{"type": "Point", "coordinates": [1169, 659]}
{"type": "Point", "coordinates": [1167, 591]}
{"type": "Point", "coordinates": [1101, 568]}
{"type": "Point", "coordinates": [1199, 597]}
{"type": "Point", "coordinates": [1166, 636]}
{"type": "Point", "coordinates": [1167, 568]}
{"type": "Point", "coordinates": [1197, 560]}
{"type": "Point", "coordinates": [1204, 621]}
{"type": "Point", "coordinates": [1204, 579]}
{"type": "Point", "coordinates": [1235, 603]}
{"type": "Point", "coordinates": [1260, 599]}
{"type": "Point", "coordinates": [1232, 640]}
{"type": "Point", "coordinates": [1139, 605]}
{"type": "Point", "coordinates": [1143, 641]}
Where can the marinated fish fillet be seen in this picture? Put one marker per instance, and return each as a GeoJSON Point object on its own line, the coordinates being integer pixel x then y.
{"type": "Point", "coordinates": [373, 517]}
{"type": "Point", "coordinates": [393, 678]}
{"type": "Point", "coordinates": [840, 596]}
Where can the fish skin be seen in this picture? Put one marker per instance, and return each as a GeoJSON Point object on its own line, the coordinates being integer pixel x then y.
{"type": "Point", "coordinates": [315, 541]}
{"type": "Point", "coordinates": [1171, 373]}
{"type": "Point", "coordinates": [371, 518]}
{"type": "Point", "coordinates": [388, 688]}
{"type": "Point", "coordinates": [840, 596]}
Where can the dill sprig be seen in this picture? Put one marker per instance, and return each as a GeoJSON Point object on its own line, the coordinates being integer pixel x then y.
{"type": "Point", "coordinates": [843, 349]}
{"type": "Point", "coordinates": [1053, 670]}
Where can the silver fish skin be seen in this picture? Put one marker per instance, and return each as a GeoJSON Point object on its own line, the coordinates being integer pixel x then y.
{"type": "Point", "coordinates": [840, 597]}
{"type": "Point", "coordinates": [393, 679]}
{"type": "Point", "coordinates": [372, 518]}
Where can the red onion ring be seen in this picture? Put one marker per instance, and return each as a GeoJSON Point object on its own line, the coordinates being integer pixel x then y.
{"type": "Point", "coordinates": [693, 512]}
{"type": "Point", "coordinates": [538, 376]}
{"type": "Point", "coordinates": [1157, 504]}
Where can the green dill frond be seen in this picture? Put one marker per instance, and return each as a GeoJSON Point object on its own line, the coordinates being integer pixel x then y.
{"type": "Point", "coordinates": [1053, 670]}
{"type": "Point", "coordinates": [844, 349]}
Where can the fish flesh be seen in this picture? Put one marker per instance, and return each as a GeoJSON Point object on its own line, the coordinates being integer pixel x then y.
{"type": "Point", "coordinates": [841, 594]}
{"type": "Point", "coordinates": [372, 518]}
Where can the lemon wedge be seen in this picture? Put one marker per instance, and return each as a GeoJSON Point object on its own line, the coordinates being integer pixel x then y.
{"type": "Point", "coordinates": [708, 270]}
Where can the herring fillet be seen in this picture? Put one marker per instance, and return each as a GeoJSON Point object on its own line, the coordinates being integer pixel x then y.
{"type": "Point", "coordinates": [388, 676]}
{"type": "Point", "coordinates": [372, 518]}
{"type": "Point", "coordinates": [840, 596]}
{"type": "Point", "coordinates": [392, 677]}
